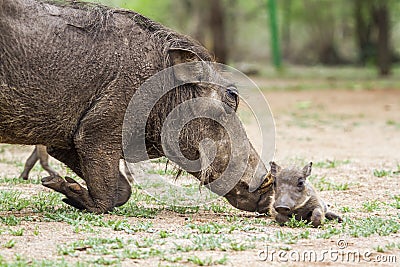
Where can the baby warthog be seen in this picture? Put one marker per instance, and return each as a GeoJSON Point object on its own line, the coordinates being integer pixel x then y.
{"type": "Point", "coordinates": [294, 195]}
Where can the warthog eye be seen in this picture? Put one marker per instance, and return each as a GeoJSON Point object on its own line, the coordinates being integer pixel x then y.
{"type": "Point", "coordinates": [232, 95]}
{"type": "Point", "coordinates": [232, 92]}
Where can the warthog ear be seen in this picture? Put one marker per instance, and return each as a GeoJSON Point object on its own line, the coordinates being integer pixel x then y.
{"type": "Point", "coordinates": [307, 170]}
{"type": "Point", "coordinates": [192, 72]}
{"type": "Point", "coordinates": [275, 168]}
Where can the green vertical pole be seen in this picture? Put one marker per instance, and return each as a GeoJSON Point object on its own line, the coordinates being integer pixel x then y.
{"type": "Point", "coordinates": [273, 23]}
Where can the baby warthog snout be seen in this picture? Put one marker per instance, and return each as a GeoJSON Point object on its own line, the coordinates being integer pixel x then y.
{"type": "Point", "coordinates": [282, 209]}
{"type": "Point", "coordinates": [295, 196]}
{"type": "Point", "coordinates": [284, 205]}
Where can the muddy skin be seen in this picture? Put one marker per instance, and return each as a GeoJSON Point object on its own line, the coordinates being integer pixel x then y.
{"type": "Point", "coordinates": [67, 73]}
{"type": "Point", "coordinates": [294, 195]}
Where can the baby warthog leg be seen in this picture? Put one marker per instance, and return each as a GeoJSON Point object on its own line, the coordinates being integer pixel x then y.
{"type": "Point", "coordinates": [332, 216]}
{"type": "Point", "coordinates": [317, 217]}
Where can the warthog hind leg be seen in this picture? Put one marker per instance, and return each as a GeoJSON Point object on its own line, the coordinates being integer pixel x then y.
{"type": "Point", "coordinates": [332, 216]}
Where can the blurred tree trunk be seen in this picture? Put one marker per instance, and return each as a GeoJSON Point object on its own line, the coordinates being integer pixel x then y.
{"type": "Point", "coordinates": [363, 27]}
{"type": "Point", "coordinates": [372, 20]}
{"type": "Point", "coordinates": [286, 27]}
{"type": "Point", "coordinates": [218, 30]}
{"type": "Point", "coordinates": [381, 19]}
{"type": "Point", "coordinates": [192, 18]}
{"type": "Point", "coordinates": [231, 24]}
{"type": "Point", "coordinates": [200, 19]}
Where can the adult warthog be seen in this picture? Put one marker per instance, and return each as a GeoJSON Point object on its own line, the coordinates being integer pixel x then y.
{"type": "Point", "coordinates": [67, 74]}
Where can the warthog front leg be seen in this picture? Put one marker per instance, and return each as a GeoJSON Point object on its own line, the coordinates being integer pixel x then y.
{"type": "Point", "coordinates": [78, 196]}
{"type": "Point", "coordinates": [317, 217]}
{"type": "Point", "coordinates": [69, 187]}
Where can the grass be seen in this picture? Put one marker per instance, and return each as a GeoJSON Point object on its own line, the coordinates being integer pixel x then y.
{"type": "Point", "coordinates": [393, 123]}
{"type": "Point", "coordinates": [201, 236]}
{"type": "Point", "coordinates": [10, 220]}
{"type": "Point", "coordinates": [370, 206]}
{"type": "Point", "coordinates": [285, 237]}
{"type": "Point", "coordinates": [293, 223]}
{"type": "Point", "coordinates": [396, 203]}
{"type": "Point", "coordinates": [381, 173]}
{"type": "Point", "coordinates": [210, 236]}
{"type": "Point", "coordinates": [386, 173]}
{"type": "Point", "coordinates": [10, 243]}
{"type": "Point", "coordinates": [344, 78]}
{"type": "Point", "coordinates": [345, 209]}
{"type": "Point", "coordinates": [329, 164]}
{"type": "Point", "coordinates": [323, 184]}
{"type": "Point", "coordinates": [366, 227]}
{"type": "Point", "coordinates": [17, 232]}
{"type": "Point", "coordinates": [207, 261]}
{"type": "Point", "coordinates": [11, 200]}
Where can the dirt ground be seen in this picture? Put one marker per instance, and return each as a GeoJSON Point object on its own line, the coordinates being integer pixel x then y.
{"type": "Point", "coordinates": [359, 131]}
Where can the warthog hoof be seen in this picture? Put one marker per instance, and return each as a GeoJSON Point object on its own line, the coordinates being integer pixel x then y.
{"type": "Point", "coordinates": [77, 195]}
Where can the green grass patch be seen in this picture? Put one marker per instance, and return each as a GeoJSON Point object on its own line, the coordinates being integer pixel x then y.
{"type": "Point", "coordinates": [207, 261]}
{"type": "Point", "coordinates": [330, 230]}
{"type": "Point", "coordinates": [10, 220]}
{"type": "Point", "coordinates": [17, 181]}
{"type": "Point", "coordinates": [184, 210]}
{"type": "Point", "coordinates": [102, 246]}
{"type": "Point", "coordinates": [345, 209]}
{"type": "Point", "coordinates": [329, 164]}
{"type": "Point", "coordinates": [293, 223]}
{"type": "Point", "coordinates": [131, 209]}
{"type": "Point", "coordinates": [372, 225]}
{"type": "Point", "coordinates": [17, 232]}
{"type": "Point", "coordinates": [208, 228]}
{"type": "Point", "coordinates": [218, 207]}
{"type": "Point", "coordinates": [290, 237]}
{"type": "Point", "coordinates": [323, 184]}
{"type": "Point", "coordinates": [396, 203]}
{"type": "Point", "coordinates": [370, 206]}
{"type": "Point", "coordinates": [393, 123]}
{"type": "Point", "coordinates": [11, 200]}
{"type": "Point", "coordinates": [10, 243]}
{"type": "Point", "coordinates": [382, 173]}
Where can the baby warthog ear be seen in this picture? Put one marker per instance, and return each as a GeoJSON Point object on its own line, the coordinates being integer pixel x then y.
{"type": "Point", "coordinates": [275, 168]}
{"type": "Point", "coordinates": [191, 72]}
{"type": "Point", "coordinates": [307, 170]}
